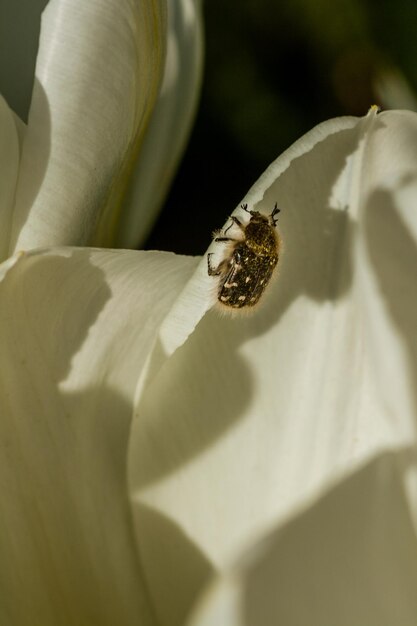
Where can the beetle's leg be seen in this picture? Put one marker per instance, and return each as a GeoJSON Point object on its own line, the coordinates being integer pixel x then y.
{"type": "Point", "coordinates": [274, 212]}
{"type": "Point", "coordinates": [224, 239]}
{"type": "Point", "coordinates": [236, 221]}
{"type": "Point", "coordinates": [220, 237]}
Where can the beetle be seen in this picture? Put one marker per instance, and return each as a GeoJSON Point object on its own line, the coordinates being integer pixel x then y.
{"type": "Point", "coordinates": [249, 261]}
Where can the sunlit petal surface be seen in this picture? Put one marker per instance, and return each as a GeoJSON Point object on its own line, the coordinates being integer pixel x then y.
{"type": "Point", "coordinates": [98, 72]}
{"type": "Point", "coordinates": [245, 420]}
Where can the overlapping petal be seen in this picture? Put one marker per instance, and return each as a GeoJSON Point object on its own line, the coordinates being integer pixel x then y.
{"type": "Point", "coordinates": [76, 329]}
{"type": "Point", "coordinates": [170, 122]}
{"type": "Point", "coordinates": [245, 420]}
{"type": "Point", "coordinates": [98, 72]}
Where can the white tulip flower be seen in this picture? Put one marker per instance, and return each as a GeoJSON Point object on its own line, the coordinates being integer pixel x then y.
{"type": "Point", "coordinates": [164, 465]}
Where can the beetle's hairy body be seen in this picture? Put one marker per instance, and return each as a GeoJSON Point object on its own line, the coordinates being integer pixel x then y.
{"type": "Point", "coordinates": [247, 269]}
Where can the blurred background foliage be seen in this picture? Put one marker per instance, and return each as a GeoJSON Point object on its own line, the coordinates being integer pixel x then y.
{"type": "Point", "coordinates": [273, 70]}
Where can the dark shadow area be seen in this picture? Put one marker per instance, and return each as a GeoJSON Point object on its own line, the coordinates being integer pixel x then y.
{"type": "Point", "coordinates": [59, 447]}
{"type": "Point", "coordinates": [80, 558]}
{"type": "Point", "coordinates": [57, 279]}
{"type": "Point", "coordinates": [34, 162]}
{"type": "Point", "coordinates": [19, 38]}
{"type": "Point", "coordinates": [349, 559]}
{"type": "Point", "coordinates": [180, 405]}
{"type": "Point", "coordinates": [54, 280]}
{"type": "Point", "coordinates": [176, 570]}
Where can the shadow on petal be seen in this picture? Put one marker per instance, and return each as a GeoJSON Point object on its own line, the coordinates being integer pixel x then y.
{"type": "Point", "coordinates": [44, 282]}
{"type": "Point", "coordinates": [349, 559]}
{"type": "Point", "coordinates": [72, 557]}
{"type": "Point", "coordinates": [191, 402]}
{"type": "Point", "coordinates": [34, 162]}
{"type": "Point", "coordinates": [316, 229]}
{"type": "Point", "coordinates": [176, 570]}
{"type": "Point", "coordinates": [66, 540]}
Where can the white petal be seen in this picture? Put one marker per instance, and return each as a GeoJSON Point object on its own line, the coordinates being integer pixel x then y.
{"type": "Point", "coordinates": [170, 122]}
{"type": "Point", "coordinates": [9, 167]}
{"type": "Point", "coordinates": [349, 559]}
{"type": "Point", "coordinates": [76, 327]}
{"type": "Point", "coordinates": [97, 75]}
{"type": "Point", "coordinates": [251, 417]}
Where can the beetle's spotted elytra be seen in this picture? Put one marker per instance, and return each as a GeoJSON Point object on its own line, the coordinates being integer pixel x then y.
{"type": "Point", "coordinates": [249, 261]}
